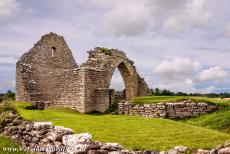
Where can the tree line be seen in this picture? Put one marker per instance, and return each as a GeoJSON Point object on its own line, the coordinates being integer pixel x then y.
{"type": "Point", "coordinates": [9, 95]}
{"type": "Point", "coordinates": [165, 92]}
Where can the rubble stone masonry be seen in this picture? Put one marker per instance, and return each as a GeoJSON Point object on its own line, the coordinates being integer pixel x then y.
{"type": "Point", "coordinates": [48, 76]}
{"type": "Point", "coordinates": [173, 110]}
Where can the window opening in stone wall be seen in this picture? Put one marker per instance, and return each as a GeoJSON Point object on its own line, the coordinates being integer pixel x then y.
{"type": "Point", "coordinates": [53, 51]}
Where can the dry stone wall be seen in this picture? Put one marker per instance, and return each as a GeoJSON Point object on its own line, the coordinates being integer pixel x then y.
{"type": "Point", "coordinates": [172, 110]}
{"type": "Point", "coordinates": [48, 76]}
{"type": "Point", "coordinates": [43, 137]}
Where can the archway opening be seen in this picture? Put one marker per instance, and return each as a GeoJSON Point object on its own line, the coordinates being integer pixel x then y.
{"type": "Point", "coordinates": [122, 81]}
{"type": "Point", "coordinates": [117, 88]}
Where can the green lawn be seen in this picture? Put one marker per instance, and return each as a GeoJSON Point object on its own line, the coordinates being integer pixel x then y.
{"type": "Point", "coordinates": [6, 142]}
{"type": "Point", "coordinates": [219, 120]}
{"type": "Point", "coordinates": [159, 99]}
{"type": "Point", "coordinates": [131, 132]}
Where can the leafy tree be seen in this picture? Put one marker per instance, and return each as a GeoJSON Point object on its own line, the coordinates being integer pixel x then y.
{"type": "Point", "coordinates": [157, 92]}
{"type": "Point", "coordinates": [181, 94]}
{"type": "Point", "coordinates": [9, 95]}
{"type": "Point", "coordinates": [152, 92]}
{"type": "Point", "coordinates": [167, 92]}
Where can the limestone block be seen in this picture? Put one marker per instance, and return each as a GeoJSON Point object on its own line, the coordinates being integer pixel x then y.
{"type": "Point", "coordinates": [70, 140]}
{"type": "Point", "coordinates": [179, 104]}
{"type": "Point", "coordinates": [181, 148]}
{"type": "Point", "coordinates": [202, 151]}
{"type": "Point", "coordinates": [202, 104]}
{"type": "Point", "coordinates": [42, 125]}
{"type": "Point", "coordinates": [191, 104]}
{"type": "Point", "coordinates": [112, 147]}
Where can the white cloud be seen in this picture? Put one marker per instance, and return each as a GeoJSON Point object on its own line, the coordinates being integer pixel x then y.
{"type": "Point", "coordinates": [133, 17]}
{"type": "Point", "coordinates": [227, 29]}
{"type": "Point", "coordinates": [213, 73]}
{"type": "Point", "coordinates": [8, 9]}
{"type": "Point", "coordinates": [7, 84]}
{"type": "Point", "coordinates": [7, 60]}
{"type": "Point", "coordinates": [126, 18]}
{"type": "Point", "coordinates": [187, 88]}
{"type": "Point", "coordinates": [189, 82]}
{"type": "Point", "coordinates": [208, 89]}
{"type": "Point", "coordinates": [176, 68]}
{"type": "Point", "coordinates": [130, 17]}
{"type": "Point", "coordinates": [193, 15]}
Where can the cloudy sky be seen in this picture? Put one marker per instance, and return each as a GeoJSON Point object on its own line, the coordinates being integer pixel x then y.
{"type": "Point", "coordinates": [181, 45]}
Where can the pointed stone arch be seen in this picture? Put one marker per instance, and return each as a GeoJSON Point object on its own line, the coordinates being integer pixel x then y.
{"type": "Point", "coordinates": [129, 78]}
{"type": "Point", "coordinates": [101, 65]}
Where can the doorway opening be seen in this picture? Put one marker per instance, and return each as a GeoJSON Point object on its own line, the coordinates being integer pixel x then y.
{"type": "Point", "coordinates": [117, 88]}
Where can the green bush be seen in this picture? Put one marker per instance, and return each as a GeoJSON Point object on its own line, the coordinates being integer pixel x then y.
{"type": "Point", "coordinates": [219, 120]}
{"type": "Point", "coordinates": [112, 108]}
{"type": "Point", "coordinates": [1, 122]}
{"type": "Point", "coordinates": [7, 106]}
{"type": "Point", "coordinates": [1, 98]}
{"type": "Point", "coordinates": [9, 96]}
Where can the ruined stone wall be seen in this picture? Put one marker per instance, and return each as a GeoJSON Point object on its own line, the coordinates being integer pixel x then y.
{"type": "Point", "coordinates": [176, 110]}
{"type": "Point", "coordinates": [48, 76]}
{"type": "Point", "coordinates": [101, 100]}
{"type": "Point", "coordinates": [72, 91]}
{"type": "Point", "coordinates": [100, 67]}
{"type": "Point", "coordinates": [143, 89]}
{"type": "Point", "coordinates": [24, 90]}
{"type": "Point", "coordinates": [41, 71]}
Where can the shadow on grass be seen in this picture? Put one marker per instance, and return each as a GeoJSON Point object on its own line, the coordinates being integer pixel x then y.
{"type": "Point", "coordinates": [95, 113]}
{"type": "Point", "coordinates": [31, 108]}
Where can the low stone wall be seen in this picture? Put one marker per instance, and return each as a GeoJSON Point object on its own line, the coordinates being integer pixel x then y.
{"type": "Point", "coordinates": [43, 137]}
{"type": "Point", "coordinates": [171, 110]}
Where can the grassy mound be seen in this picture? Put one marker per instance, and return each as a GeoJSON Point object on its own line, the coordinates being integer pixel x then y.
{"type": "Point", "coordinates": [160, 99]}
{"type": "Point", "coordinates": [8, 143]}
{"type": "Point", "coordinates": [7, 106]}
{"type": "Point", "coordinates": [132, 132]}
{"type": "Point", "coordinates": [7, 146]}
{"type": "Point", "coordinates": [218, 120]}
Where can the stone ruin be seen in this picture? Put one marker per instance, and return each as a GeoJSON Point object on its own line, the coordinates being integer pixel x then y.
{"type": "Point", "coordinates": [48, 76]}
{"type": "Point", "coordinates": [172, 110]}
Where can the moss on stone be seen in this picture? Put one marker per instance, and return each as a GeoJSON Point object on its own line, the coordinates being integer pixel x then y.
{"type": "Point", "coordinates": [105, 51]}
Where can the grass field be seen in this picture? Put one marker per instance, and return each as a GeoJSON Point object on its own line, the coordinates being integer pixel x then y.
{"type": "Point", "coordinates": [7, 143]}
{"type": "Point", "coordinates": [159, 99]}
{"type": "Point", "coordinates": [219, 120]}
{"type": "Point", "coordinates": [132, 132]}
